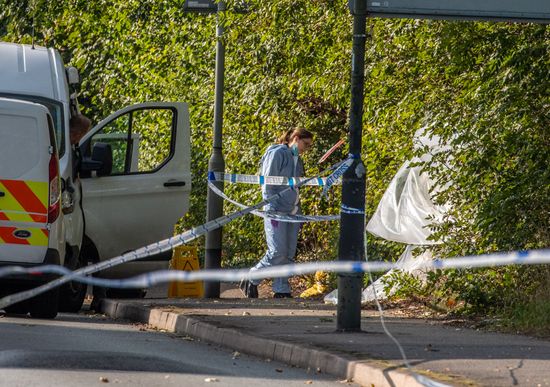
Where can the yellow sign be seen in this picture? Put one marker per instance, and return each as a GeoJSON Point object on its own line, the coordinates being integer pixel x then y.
{"type": "Point", "coordinates": [185, 258]}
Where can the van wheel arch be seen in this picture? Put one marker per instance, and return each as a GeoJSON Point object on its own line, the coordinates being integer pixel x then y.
{"type": "Point", "coordinates": [89, 252]}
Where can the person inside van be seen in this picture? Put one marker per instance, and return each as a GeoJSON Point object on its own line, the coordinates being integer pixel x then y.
{"type": "Point", "coordinates": [78, 127]}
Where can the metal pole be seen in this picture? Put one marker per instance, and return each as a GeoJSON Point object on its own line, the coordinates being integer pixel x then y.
{"type": "Point", "coordinates": [352, 225]}
{"type": "Point", "coordinates": [214, 204]}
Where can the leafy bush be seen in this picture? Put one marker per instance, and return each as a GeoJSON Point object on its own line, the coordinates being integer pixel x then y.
{"type": "Point", "coordinates": [482, 87]}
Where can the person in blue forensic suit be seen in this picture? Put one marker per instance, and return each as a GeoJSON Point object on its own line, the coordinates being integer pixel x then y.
{"type": "Point", "coordinates": [281, 159]}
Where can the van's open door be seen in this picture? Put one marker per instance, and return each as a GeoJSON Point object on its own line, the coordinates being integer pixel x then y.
{"type": "Point", "coordinates": [147, 189]}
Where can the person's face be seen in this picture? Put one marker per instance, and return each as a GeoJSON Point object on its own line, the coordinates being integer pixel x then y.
{"type": "Point", "coordinates": [75, 136]}
{"type": "Point", "coordinates": [303, 144]}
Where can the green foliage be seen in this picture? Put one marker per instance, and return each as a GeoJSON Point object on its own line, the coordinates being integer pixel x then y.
{"type": "Point", "coordinates": [497, 173]}
{"type": "Point", "coordinates": [482, 87]}
{"type": "Point", "coordinates": [474, 291]}
{"type": "Point", "coordinates": [531, 318]}
{"type": "Point", "coordinates": [404, 283]}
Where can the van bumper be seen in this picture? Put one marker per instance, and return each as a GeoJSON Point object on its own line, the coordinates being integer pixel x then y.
{"type": "Point", "coordinates": [52, 258]}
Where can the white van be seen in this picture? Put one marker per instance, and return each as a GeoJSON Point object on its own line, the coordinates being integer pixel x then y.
{"type": "Point", "coordinates": [128, 188]}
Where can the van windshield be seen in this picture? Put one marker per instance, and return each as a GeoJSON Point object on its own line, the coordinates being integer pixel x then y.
{"type": "Point", "coordinates": [56, 111]}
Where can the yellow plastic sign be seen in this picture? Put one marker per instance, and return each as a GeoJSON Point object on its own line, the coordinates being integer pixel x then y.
{"type": "Point", "coordinates": [185, 258]}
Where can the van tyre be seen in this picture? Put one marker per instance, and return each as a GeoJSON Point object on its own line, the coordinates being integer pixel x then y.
{"type": "Point", "coordinates": [72, 295]}
{"type": "Point", "coordinates": [45, 305]}
{"type": "Point", "coordinates": [18, 308]}
{"type": "Point", "coordinates": [22, 307]}
{"type": "Point", "coordinates": [126, 293]}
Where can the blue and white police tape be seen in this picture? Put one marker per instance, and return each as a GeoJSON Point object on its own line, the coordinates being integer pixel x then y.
{"type": "Point", "coordinates": [338, 173]}
{"type": "Point", "coordinates": [327, 182]}
{"type": "Point", "coordinates": [152, 249]}
{"type": "Point", "coordinates": [274, 215]}
{"type": "Point", "coordinates": [265, 180]}
{"type": "Point", "coordinates": [232, 275]}
{"type": "Point", "coordinates": [350, 210]}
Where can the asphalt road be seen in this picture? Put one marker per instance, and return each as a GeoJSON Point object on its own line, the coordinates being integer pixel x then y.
{"type": "Point", "coordinates": [90, 350]}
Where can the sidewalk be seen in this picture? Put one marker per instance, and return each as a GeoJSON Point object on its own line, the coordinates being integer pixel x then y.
{"type": "Point", "coordinates": [302, 333]}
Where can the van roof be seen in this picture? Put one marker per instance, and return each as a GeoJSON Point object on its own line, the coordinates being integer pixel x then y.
{"type": "Point", "coordinates": [33, 71]}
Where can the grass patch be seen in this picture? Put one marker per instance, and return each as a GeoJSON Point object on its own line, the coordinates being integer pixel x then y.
{"type": "Point", "coordinates": [530, 318]}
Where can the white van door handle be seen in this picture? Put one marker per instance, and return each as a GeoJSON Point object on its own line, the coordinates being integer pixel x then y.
{"type": "Point", "coordinates": [174, 184]}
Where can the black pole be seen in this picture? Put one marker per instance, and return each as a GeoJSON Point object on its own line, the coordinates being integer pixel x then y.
{"type": "Point", "coordinates": [352, 222]}
{"type": "Point", "coordinates": [214, 204]}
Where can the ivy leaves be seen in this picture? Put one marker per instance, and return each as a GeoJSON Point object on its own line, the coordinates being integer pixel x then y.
{"type": "Point", "coordinates": [482, 87]}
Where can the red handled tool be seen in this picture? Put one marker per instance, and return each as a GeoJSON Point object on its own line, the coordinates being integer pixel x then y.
{"type": "Point", "coordinates": [331, 150]}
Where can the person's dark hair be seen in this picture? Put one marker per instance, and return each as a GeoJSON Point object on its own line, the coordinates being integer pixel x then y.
{"type": "Point", "coordinates": [291, 133]}
{"type": "Point", "coordinates": [79, 125]}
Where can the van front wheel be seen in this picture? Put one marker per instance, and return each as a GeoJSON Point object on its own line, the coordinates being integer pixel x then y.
{"type": "Point", "coordinates": [72, 294]}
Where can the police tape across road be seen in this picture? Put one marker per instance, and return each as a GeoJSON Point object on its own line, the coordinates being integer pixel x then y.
{"type": "Point", "coordinates": [531, 257]}
{"type": "Point", "coordinates": [275, 215]}
{"type": "Point", "coordinates": [159, 247]}
{"type": "Point", "coordinates": [268, 180]}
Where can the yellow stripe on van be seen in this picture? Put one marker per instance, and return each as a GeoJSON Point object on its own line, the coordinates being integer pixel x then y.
{"type": "Point", "coordinates": [29, 236]}
{"type": "Point", "coordinates": [12, 204]}
{"type": "Point", "coordinates": [8, 201]}
{"type": "Point", "coordinates": [18, 216]}
{"type": "Point", "coordinates": [41, 190]}
{"type": "Point", "coordinates": [39, 237]}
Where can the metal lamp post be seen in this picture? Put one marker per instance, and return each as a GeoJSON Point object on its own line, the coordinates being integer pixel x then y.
{"type": "Point", "coordinates": [352, 223]}
{"type": "Point", "coordinates": [214, 204]}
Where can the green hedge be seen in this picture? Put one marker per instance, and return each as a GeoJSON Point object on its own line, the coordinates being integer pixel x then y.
{"type": "Point", "coordinates": [483, 87]}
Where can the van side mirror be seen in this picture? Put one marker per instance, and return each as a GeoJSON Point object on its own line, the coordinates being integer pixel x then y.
{"type": "Point", "coordinates": [101, 160]}
{"type": "Point", "coordinates": [73, 78]}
